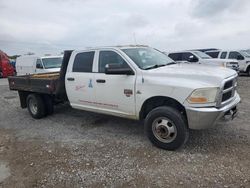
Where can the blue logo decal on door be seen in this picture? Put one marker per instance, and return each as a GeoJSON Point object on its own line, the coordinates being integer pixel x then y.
{"type": "Point", "coordinates": [90, 83]}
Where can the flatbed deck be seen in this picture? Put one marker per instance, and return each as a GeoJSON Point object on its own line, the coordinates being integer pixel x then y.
{"type": "Point", "coordinates": [45, 83]}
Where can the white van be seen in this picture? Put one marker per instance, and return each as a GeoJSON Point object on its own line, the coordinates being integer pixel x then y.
{"type": "Point", "coordinates": [31, 64]}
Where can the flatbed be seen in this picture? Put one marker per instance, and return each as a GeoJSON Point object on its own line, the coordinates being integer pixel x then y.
{"type": "Point", "coordinates": [45, 83]}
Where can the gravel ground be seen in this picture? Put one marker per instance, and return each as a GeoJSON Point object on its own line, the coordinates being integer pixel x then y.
{"type": "Point", "coordinates": [80, 149]}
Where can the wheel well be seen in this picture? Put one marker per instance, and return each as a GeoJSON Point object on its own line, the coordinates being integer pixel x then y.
{"type": "Point", "coordinates": [24, 94]}
{"type": "Point", "coordinates": [248, 68]}
{"type": "Point", "coordinates": [154, 102]}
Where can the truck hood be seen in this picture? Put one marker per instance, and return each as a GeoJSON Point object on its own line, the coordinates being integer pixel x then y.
{"type": "Point", "coordinates": [191, 74]}
{"type": "Point", "coordinates": [220, 61]}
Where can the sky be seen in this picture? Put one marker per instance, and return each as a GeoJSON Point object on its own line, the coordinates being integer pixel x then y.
{"type": "Point", "coordinates": [51, 26]}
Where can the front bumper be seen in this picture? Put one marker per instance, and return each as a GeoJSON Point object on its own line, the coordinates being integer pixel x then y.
{"type": "Point", "coordinates": [204, 118]}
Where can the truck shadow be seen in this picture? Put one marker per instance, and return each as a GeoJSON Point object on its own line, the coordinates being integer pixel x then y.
{"type": "Point", "coordinates": [202, 141]}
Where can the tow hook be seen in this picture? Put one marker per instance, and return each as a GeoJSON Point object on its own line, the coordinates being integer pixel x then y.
{"type": "Point", "coordinates": [230, 114]}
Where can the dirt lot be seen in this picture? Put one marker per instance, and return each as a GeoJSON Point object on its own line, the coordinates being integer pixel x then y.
{"type": "Point", "coordinates": [80, 149]}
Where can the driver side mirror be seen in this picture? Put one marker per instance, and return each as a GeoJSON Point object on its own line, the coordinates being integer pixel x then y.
{"type": "Point", "coordinates": [192, 59]}
{"type": "Point", "coordinates": [39, 66]}
{"type": "Point", "coordinates": [117, 69]}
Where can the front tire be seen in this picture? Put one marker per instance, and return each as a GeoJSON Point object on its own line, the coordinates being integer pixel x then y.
{"type": "Point", "coordinates": [248, 71]}
{"type": "Point", "coordinates": [166, 128]}
{"type": "Point", "coordinates": [36, 106]}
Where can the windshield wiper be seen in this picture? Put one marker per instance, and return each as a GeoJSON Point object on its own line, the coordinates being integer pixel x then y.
{"type": "Point", "coordinates": [172, 63]}
{"type": "Point", "coordinates": [157, 66]}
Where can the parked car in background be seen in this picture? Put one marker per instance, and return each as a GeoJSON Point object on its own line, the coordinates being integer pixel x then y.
{"type": "Point", "coordinates": [6, 69]}
{"type": "Point", "coordinates": [31, 64]}
{"type": "Point", "coordinates": [202, 58]}
{"type": "Point", "coordinates": [241, 56]}
{"type": "Point", "coordinates": [247, 51]}
{"type": "Point", "coordinates": [169, 98]}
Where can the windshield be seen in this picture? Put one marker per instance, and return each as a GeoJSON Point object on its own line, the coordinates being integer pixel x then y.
{"type": "Point", "coordinates": [147, 57]}
{"type": "Point", "coordinates": [50, 63]}
{"type": "Point", "coordinates": [245, 54]}
{"type": "Point", "coordinates": [202, 55]}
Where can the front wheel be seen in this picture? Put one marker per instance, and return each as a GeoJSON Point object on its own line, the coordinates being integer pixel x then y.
{"type": "Point", "coordinates": [166, 128]}
{"type": "Point", "coordinates": [248, 71]}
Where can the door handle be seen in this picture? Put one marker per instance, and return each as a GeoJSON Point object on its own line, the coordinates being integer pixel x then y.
{"type": "Point", "coordinates": [100, 81]}
{"type": "Point", "coordinates": [70, 79]}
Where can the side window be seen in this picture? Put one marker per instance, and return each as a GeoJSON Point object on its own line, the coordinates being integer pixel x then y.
{"type": "Point", "coordinates": [223, 55]}
{"type": "Point", "coordinates": [186, 56]}
{"type": "Point", "coordinates": [213, 54]}
{"type": "Point", "coordinates": [110, 57]}
{"type": "Point", "coordinates": [235, 55]}
{"type": "Point", "coordinates": [175, 56]}
{"type": "Point", "coordinates": [83, 62]}
{"type": "Point", "coordinates": [39, 64]}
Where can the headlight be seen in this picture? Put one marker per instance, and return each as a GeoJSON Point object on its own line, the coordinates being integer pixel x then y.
{"type": "Point", "coordinates": [204, 95]}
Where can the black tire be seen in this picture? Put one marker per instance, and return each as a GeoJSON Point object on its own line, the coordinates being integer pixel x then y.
{"type": "Point", "coordinates": [49, 105]}
{"type": "Point", "coordinates": [36, 106]}
{"type": "Point", "coordinates": [175, 120]}
{"type": "Point", "coordinates": [1, 74]}
{"type": "Point", "coordinates": [248, 71]}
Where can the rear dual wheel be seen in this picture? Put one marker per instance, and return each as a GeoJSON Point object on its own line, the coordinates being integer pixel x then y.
{"type": "Point", "coordinates": [39, 106]}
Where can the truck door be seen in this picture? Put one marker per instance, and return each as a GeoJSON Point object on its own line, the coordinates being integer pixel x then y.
{"type": "Point", "coordinates": [114, 93]}
{"type": "Point", "coordinates": [236, 55]}
{"type": "Point", "coordinates": [79, 81]}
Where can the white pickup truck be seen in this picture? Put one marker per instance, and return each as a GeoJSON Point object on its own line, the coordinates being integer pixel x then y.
{"type": "Point", "coordinates": [194, 56]}
{"type": "Point", "coordinates": [135, 82]}
{"type": "Point", "coordinates": [242, 57]}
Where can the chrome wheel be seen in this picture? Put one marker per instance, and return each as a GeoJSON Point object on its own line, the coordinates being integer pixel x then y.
{"type": "Point", "coordinates": [33, 106]}
{"type": "Point", "coordinates": [164, 129]}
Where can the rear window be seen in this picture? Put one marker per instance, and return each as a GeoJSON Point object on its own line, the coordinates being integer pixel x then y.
{"type": "Point", "coordinates": [83, 62]}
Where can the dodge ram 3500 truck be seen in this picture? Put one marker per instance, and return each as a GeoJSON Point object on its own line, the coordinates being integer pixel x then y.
{"type": "Point", "coordinates": [135, 82]}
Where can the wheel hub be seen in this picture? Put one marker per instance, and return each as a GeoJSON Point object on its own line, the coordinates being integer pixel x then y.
{"type": "Point", "coordinates": [33, 106]}
{"type": "Point", "coordinates": [164, 129]}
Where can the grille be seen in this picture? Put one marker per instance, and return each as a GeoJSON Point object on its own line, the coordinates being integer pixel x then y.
{"type": "Point", "coordinates": [226, 96]}
{"type": "Point", "coordinates": [228, 84]}
{"type": "Point", "coordinates": [229, 89]}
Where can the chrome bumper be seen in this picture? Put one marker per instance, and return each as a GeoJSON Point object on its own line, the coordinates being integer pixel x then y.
{"type": "Point", "coordinates": [204, 118]}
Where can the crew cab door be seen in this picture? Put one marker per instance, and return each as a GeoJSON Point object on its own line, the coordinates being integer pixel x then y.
{"type": "Point", "coordinates": [240, 58]}
{"type": "Point", "coordinates": [79, 80]}
{"type": "Point", "coordinates": [114, 93]}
